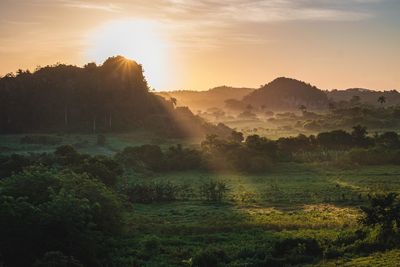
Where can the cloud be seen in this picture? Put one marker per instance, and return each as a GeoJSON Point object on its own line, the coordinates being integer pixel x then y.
{"type": "Point", "coordinates": [269, 11]}
{"type": "Point", "coordinates": [107, 7]}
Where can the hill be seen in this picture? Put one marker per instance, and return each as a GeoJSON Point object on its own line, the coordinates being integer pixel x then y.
{"type": "Point", "coordinates": [366, 96]}
{"type": "Point", "coordinates": [202, 100]}
{"type": "Point", "coordinates": [287, 94]}
{"type": "Point", "coordinates": [112, 97]}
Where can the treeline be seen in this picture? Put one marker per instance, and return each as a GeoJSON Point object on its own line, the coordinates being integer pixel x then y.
{"type": "Point", "coordinates": [257, 154]}
{"type": "Point", "coordinates": [108, 98]}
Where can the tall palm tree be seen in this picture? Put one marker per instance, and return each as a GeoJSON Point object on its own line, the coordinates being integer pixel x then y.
{"type": "Point", "coordinates": [381, 99]}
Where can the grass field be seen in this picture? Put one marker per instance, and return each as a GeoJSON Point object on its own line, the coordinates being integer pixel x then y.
{"type": "Point", "coordinates": [86, 143]}
{"type": "Point", "coordinates": [315, 200]}
{"type": "Point", "coordinates": [294, 200]}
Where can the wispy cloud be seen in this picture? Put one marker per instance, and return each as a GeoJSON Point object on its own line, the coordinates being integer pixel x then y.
{"type": "Point", "coordinates": [270, 11]}
{"type": "Point", "coordinates": [107, 7]}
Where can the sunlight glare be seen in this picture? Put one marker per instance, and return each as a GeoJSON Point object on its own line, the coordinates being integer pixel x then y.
{"type": "Point", "coordinates": [134, 39]}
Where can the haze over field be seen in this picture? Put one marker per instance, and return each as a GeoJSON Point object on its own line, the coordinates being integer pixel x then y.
{"type": "Point", "coordinates": [198, 45]}
{"type": "Point", "coordinates": [184, 133]}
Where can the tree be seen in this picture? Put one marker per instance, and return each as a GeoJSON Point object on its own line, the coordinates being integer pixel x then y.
{"type": "Point", "coordinates": [331, 106]}
{"type": "Point", "coordinates": [359, 135]}
{"type": "Point", "coordinates": [214, 190]}
{"type": "Point", "coordinates": [382, 99]}
{"type": "Point", "coordinates": [174, 101]}
{"type": "Point", "coordinates": [237, 137]}
{"type": "Point", "coordinates": [383, 210]}
{"type": "Point", "coordinates": [303, 108]}
{"type": "Point", "coordinates": [43, 210]}
{"type": "Point", "coordinates": [355, 100]}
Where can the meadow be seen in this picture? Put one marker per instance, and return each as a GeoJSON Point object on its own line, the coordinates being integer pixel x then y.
{"type": "Point", "coordinates": [294, 200]}
{"type": "Point", "coordinates": [306, 201]}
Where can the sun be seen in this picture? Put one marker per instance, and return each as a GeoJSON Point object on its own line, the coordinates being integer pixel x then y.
{"type": "Point", "coordinates": [138, 40]}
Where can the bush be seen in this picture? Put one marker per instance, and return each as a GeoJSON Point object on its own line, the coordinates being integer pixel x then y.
{"type": "Point", "coordinates": [297, 250]}
{"type": "Point", "coordinates": [13, 164]}
{"type": "Point", "coordinates": [214, 190]}
{"type": "Point", "coordinates": [209, 257]}
{"type": "Point", "coordinates": [383, 211]}
{"type": "Point", "coordinates": [156, 192]}
{"type": "Point", "coordinates": [43, 210]}
{"type": "Point", "coordinates": [102, 168]}
{"type": "Point", "coordinates": [149, 156]}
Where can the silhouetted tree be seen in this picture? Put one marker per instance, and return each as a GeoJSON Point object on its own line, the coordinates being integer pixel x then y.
{"type": "Point", "coordinates": [174, 101]}
{"type": "Point", "coordinates": [382, 100]}
{"type": "Point", "coordinates": [303, 108]}
{"type": "Point", "coordinates": [384, 210]}
{"type": "Point", "coordinates": [355, 100]}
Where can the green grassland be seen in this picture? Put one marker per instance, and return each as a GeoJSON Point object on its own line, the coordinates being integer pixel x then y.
{"type": "Point", "coordinates": [293, 200]}
{"type": "Point", "coordinates": [316, 200]}
{"type": "Point", "coordinates": [86, 143]}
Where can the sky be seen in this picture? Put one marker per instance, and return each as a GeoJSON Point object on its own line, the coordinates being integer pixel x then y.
{"type": "Point", "coordinates": [200, 44]}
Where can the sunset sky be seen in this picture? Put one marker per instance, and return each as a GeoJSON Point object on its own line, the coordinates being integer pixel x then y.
{"type": "Point", "coordinates": [199, 44]}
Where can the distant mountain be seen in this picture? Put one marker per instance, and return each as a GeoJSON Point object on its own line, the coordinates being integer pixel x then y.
{"type": "Point", "coordinates": [202, 100]}
{"type": "Point", "coordinates": [112, 97]}
{"type": "Point", "coordinates": [366, 96]}
{"type": "Point", "coordinates": [287, 94]}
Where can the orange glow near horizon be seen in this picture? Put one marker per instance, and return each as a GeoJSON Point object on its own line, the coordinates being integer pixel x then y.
{"type": "Point", "coordinates": [198, 44]}
{"type": "Point", "coordinates": [136, 40]}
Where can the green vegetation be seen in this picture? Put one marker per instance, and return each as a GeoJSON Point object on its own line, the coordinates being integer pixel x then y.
{"type": "Point", "coordinates": [113, 97]}
{"type": "Point", "coordinates": [323, 191]}
{"type": "Point", "coordinates": [228, 202]}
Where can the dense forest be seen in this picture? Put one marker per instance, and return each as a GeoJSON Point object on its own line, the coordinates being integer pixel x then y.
{"type": "Point", "coordinates": [113, 97]}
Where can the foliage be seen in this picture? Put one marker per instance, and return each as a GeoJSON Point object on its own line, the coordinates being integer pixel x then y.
{"type": "Point", "coordinates": [214, 190]}
{"type": "Point", "coordinates": [383, 211]}
{"type": "Point", "coordinates": [112, 97]}
{"type": "Point", "coordinates": [209, 257]}
{"type": "Point", "coordinates": [42, 210]}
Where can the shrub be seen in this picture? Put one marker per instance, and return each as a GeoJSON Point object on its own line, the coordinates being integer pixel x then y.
{"type": "Point", "coordinates": [383, 211]}
{"type": "Point", "coordinates": [297, 250]}
{"type": "Point", "coordinates": [102, 168]}
{"type": "Point", "coordinates": [149, 156]}
{"type": "Point", "coordinates": [214, 190]}
{"type": "Point", "coordinates": [156, 192]}
{"type": "Point", "coordinates": [43, 210]}
{"type": "Point", "coordinates": [209, 257]}
{"type": "Point", "coordinates": [13, 164]}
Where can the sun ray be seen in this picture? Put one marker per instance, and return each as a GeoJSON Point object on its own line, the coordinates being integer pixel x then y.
{"type": "Point", "coordinates": [137, 40]}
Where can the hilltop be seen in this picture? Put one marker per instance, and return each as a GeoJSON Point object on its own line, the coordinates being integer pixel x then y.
{"type": "Point", "coordinates": [285, 94]}
{"type": "Point", "coordinates": [112, 97]}
{"type": "Point", "coordinates": [366, 96]}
